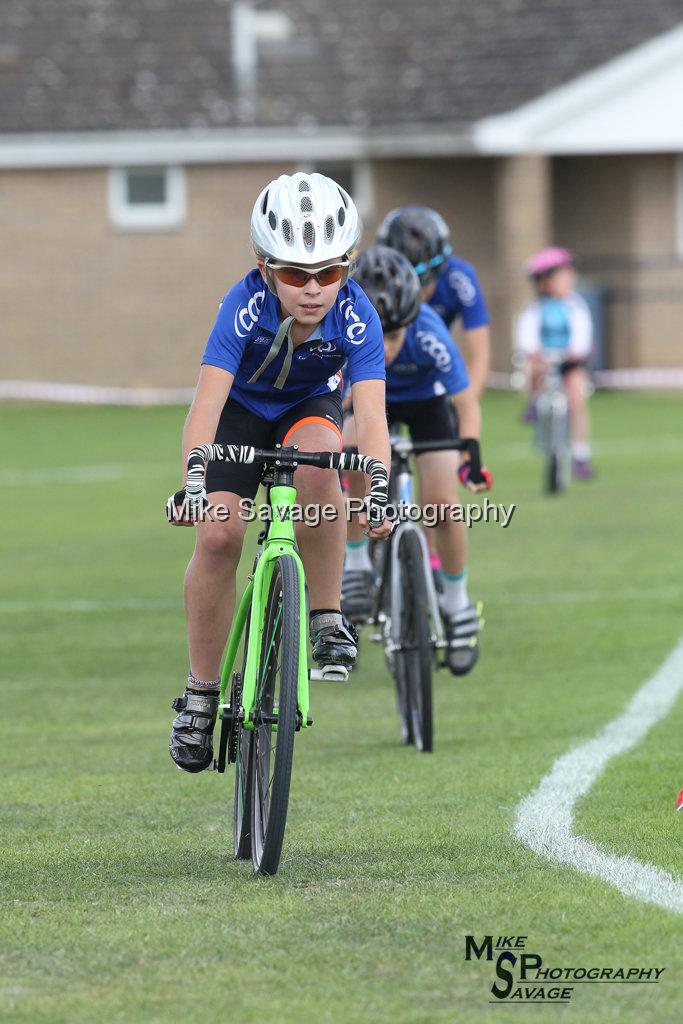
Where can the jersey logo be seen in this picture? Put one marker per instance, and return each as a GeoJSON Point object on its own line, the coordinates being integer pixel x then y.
{"type": "Point", "coordinates": [462, 284]}
{"type": "Point", "coordinates": [334, 382]}
{"type": "Point", "coordinates": [325, 348]}
{"type": "Point", "coordinates": [247, 316]}
{"type": "Point", "coordinates": [355, 332]}
{"type": "Point", "coordinates": [435, 349]}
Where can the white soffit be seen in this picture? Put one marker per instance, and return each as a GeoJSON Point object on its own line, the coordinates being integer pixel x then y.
{"type": "Point", "coordinates": [633, 104]}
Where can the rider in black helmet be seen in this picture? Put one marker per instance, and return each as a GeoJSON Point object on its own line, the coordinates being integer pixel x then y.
{"type": "Point", "coordinates": [422, 235]}
{"type": "Point", "coordinates": [391, 284]}
{"type": "Point", "coordinates": [426, 382]}
{"type": "Point", "coordinates": [450, 286]}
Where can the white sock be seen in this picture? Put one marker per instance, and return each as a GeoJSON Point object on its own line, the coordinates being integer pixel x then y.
{"type": "Point", "coordinates": [581, 450]}
{"type": "Point", "coordinates": [454, 597]}
{"type": "Point", "coordinates": [357, 557]}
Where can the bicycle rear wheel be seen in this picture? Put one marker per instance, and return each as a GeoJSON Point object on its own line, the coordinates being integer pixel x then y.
{"type": "Point", "coordinates": [275, 717]}
{"type": "Point", "coordinates": [413, 674]}
{"type": "Point", "coordinates": [552, 474]}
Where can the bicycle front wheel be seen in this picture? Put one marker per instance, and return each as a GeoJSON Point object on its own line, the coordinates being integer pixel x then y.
{"type": "Point", "coordinates": [243, 777]}
{"type": "Point", "coordinates": [414, 655]}
{"type": "Point", "coordinates": [275, 717]}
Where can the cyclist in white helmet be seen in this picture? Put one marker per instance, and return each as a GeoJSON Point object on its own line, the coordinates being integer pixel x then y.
{"type": "Point", "coordinates": [271, 373]}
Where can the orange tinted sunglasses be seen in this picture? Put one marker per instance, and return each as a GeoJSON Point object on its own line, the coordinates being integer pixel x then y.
{"type": "Point", "coordinates": [297, 277]}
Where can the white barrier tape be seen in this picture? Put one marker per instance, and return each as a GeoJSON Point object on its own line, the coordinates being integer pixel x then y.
{"type": "Point", "coordinates": [634, 379]}
{"type": "Point", "coordinates": [93, 394]}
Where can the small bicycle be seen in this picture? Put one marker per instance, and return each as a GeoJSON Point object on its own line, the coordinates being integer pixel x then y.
{"type": "Point", "coordinates": [406, 615]}
{"type": "Point", "coordinates": [552, 427]}
{"type": "Point", "coordinates": [267, 702]}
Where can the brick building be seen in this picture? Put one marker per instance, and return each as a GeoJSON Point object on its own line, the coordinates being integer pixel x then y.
{"type": "Point", "coordinates": [134, 137]}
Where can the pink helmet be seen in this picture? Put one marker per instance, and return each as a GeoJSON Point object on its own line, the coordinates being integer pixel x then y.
{"type": "Point", "coordinates": [546, 260]}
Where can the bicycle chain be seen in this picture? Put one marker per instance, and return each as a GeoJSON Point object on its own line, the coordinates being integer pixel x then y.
{"type": "Point", "coordinates": [235, 705]}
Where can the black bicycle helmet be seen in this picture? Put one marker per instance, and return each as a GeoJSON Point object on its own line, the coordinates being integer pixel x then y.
{"type": "Point", "coordinates": [421, 234]}
{"type": "Point", "coordinates": [391, 284]}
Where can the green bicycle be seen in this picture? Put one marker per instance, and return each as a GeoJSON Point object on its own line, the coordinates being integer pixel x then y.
{"type": "Point", "coordinates": [262, 707]}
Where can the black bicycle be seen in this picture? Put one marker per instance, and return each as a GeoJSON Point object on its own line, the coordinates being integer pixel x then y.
{"type": "Point", "coordinates": [406, 614]}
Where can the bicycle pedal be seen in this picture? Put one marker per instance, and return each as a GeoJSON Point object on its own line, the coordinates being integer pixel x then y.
{"type": "Point", "coordinates": [330, 673]}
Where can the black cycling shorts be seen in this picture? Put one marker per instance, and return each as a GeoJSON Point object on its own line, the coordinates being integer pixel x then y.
{"type": "Point", "coordinates": [429, 419]}
{"type": "Point", "coordinates": [567, 365]}
{"type": "Point", "coordinates": [238, 425]}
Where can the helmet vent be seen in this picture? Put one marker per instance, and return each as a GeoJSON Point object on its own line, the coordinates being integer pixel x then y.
{"type": "Point", "coordinates": [345, 200]}
{"type": "Point", "coordinates": [264, 204]}
{"type": "Point", "coordinates": [309, 235]}
{"type": "Point", "coordinates": [306, 204]}
{"type": "Point", "coordinates": [272, 219]}
{"type": "Point", "coordinates": [341, 216]}
{"type": "Point", "coordinates": [304, 186]}
{"type": "Point", "coordinates": [329, 228]}
{"type": "Point", "coordinates": [287, 231]}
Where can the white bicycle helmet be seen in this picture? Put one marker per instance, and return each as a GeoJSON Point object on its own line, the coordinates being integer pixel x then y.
{"type": "Point", "coordinates": [304, 219]}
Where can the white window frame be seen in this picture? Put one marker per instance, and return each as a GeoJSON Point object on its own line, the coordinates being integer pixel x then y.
{"type": "Point", "coordinates": [679, 206]}
{"type": "Point", "coordinates": [363, 182]}
{"type": "Point", "coordinates": [166, 216]}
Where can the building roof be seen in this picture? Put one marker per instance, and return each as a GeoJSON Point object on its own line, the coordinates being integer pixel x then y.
{"type": "Point", "coordinates": [136, 65]}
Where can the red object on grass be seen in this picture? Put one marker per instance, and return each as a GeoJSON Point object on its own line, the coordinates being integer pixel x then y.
{"type": "Point", "coordinates": [679, 801]}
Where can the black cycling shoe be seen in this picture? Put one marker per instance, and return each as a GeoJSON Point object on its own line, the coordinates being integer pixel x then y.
{"type": "Point", "coordinates": [191, 743]}
{"type": "Point", "coordinates": [462, 633]}
{"type": "Point", "coordinates": [357, 594]}
{"type": "Point", "coordinates": [334, 640]}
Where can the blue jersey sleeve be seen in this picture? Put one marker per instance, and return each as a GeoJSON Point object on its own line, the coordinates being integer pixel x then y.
{"type": "Point", "coordinates": [362, 337]}
{"type": "Point", "coordinates": [465, 283]}
{"type": "Point", "coordinates": [440, 352]}
{"type": "Point", "coordinates": [237, 317]}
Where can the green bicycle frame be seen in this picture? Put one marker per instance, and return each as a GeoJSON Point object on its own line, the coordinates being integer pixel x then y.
{"type": "Point", "coordinates": [279, 541]}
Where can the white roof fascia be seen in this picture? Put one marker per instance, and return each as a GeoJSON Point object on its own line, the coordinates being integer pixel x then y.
{"type": "Point", "coordinates": [241, 145]}
{"type": "Point", "coordinates": [633, 103]}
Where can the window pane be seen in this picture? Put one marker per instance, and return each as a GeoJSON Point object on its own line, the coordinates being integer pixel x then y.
{"type": "Point", "coordinates": [146, 186]}
{"type": "Point", "coordinates": [341, 173]}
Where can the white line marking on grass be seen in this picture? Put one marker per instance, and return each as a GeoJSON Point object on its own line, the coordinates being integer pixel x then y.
{"type": "Point", "coordinates": [545, 817]}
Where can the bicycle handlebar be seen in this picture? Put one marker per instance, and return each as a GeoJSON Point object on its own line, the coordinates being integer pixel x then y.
{"type": "Point", "coordinates": [195, 486]}
{"type": "Point", "coordinates": [404, 446]}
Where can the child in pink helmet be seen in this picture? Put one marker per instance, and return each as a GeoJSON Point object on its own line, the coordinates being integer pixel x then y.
{"type": "Point", "coordinates": [558, 320]}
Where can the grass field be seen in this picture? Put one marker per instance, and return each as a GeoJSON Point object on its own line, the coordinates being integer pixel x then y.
{"type": "Point", "coordinates": [120, 899]}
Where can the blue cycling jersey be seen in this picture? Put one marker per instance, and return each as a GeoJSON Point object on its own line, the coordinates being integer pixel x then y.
{"type": "Point", "coordinates": [428, 363]}
{"type": "Point", "coordinates": [458, 294]}
{"type": "Point", "coordinates": [246, 324]}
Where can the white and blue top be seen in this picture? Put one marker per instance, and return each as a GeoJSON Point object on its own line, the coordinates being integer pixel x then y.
{"type": "Point", "coordinates": [558, 325]}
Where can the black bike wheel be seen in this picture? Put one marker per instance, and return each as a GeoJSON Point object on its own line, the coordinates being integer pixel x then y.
{"type": "Point", "coordinates": [556, 474]}
{"type": "Point", "coordinates": [243, 776]}
{"type": "Point", "coordinates": [394, 665]}
{"type": "Point", "coordinates": [414, 660]}
{"type": "Point", "coordinates": [399, 672]}
{"type": "Point", "coordinates": [243, 796]}
{"type": "Point", "coordinates": [276, 701]}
